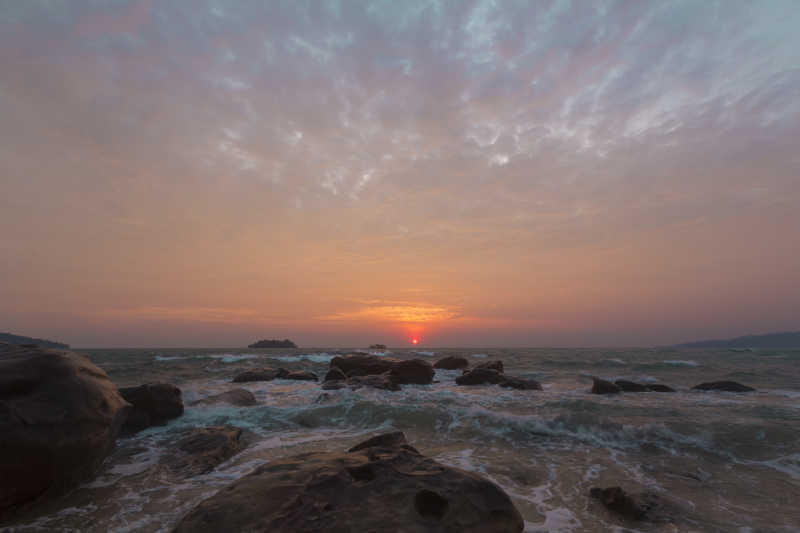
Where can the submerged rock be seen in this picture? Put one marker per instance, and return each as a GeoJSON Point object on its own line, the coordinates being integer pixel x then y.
{"type": "Point", "coordinates": [261, 374]}
{"type": "Point", "coordinates": [334, 373]}
{"type": "Point", "coordinates": [726, 386]}
{"type": "Point", "coordinates": [615, 499]}
{"type": "Point", "coordinates": [451, 362]}
{"type": "Point", "coordinates": [301, 376]}
{"type": "Point", "coordinates": [238, 397]}
{"type": "Point", "coordinates": [601, 386]}
{"type": "Point", "coordinates": [495, 364]}
{"type": "Point", "coordinates": [200, 450]}
{"type": "Point", "coordinates": [153, 405]}
{"type": "Point", "coordinates": [480, 376]}
{"type": "Point", "coordinates": [657, 387]}
{"type": "Point", "coordinates": [417, 371]}
{"type": "Point", "coordinates": [382, 485]}
{"type": "Point", "coordinates": [630, 386]}
{"type": "Point", "coordinates": [59, 417]}
{"type": "Point", "coordinates": [512, 382]}
{"type": "Point", "coordinates": [645, 506]}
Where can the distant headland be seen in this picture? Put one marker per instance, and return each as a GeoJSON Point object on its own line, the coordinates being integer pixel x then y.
{"type": "Point", "coordinates": [273, 343]}
{"type": "Point", "coordinates": [784, 340]}
{"type": "Point", "coordinates": [20, 339]}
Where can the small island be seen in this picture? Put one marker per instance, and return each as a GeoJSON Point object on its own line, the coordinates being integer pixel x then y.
{"type": "Point", "coordinates": [377, 346]}
{"type": "Point", "coordinates": [10, 338]}
{"type": "Point", "coordinates": [273, 343]}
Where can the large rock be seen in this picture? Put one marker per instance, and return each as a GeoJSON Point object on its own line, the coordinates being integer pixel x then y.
{"type": "Point", "coordinates": [495, 364]}
{"type": "Point", "coordinates": [416, 371]}
{"type": "Point", "coordinates": [200, 450]}
{"type": "Point", "coordinates": [727, 386]}
{"type": "Point", "coordinates": [601, 386]}
{"type": "Point", "coordinates": [334, 374]}
{"type": "Point", "coordinates": [480, 376]}
{"type": "Point", "coordinates": [238, 397]}
{"type": "Point", "coordinates": [153, 405]}
{"type": "Point", "coordinates": [261, 374]}
{"type": "Point", "coordinates": [451, 362]}
{"type": "Point", "coordinates": [59, 417]}
{"type": "Point", "coordinates": [384, 485]}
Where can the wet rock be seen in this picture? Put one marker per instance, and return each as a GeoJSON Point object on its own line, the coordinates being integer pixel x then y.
{"type": "Point", "coordinates": [334, 373]}
{"type": "Point", "coordinates": [602, 386]}
{"type": "Point", "coordinates": [59, 417]}
{"type": "Point", "coordinates": [615, 499]}
{"type": "Point", "coordinates": [726, 386]}
{"type": "Point", "coordinates": [200, 450]}
{"type": "Point", "coordinates": [645, 506]}
{"type": "Point", "coordinates": [397, 438]}
{"type": "Point", "coordinates": [261, 374]}
{"type": "Point", "coordinates": [451, 362]}
{"type": "Point", "coordinates": [334, 384]}
{"type": "Point", "coordinates": [630, 386]}
{"type": "Point", "coordinates": [491, 365]}
{"type": "Point", "coordinates": [414, 371]}
{"type": "Point", "coordinates": [153, 405]}
{"type": "Point", "coordinates": [511, 382]}
{"type": "Point", "coordinates": [301, 376]}
{"type": "Point", "coordinates": [382, 381]}
{"type": "Point", "coordinates": [657, 387]}
{"type": "Point", "coordinates": [238, 397]}
{"type": "Point", "coordinates": [383, 486]}
{"type": "Point", "coordinates": [480, 376]}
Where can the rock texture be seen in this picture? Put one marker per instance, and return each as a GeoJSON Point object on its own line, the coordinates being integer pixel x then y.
{"type": "Point", "coordinates": [200, 450]}
{"type": "Point", "coordinates": [727, 386]}
{"type": "Point", "coordinates": [383, 485]}
{"type": "Point", "coordinates": [261, 374]}
{"type": "Point", "coordinates": [413, 371]}
{"type": "Point", "coordinates": [59, 417]}
{"type": "Point", "coordinates": [238, 397]}
{"type": "Point", "coordinates": [153, 405]}
{"type": "Point", "coordinates": [452, 362]}
{"type": "Point", "coordinates": [601, 386]}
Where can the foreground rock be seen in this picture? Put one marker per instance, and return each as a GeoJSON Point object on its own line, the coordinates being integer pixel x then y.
{"type": "Point", "coordinates": [200, 450]}
{"type": "Point", "coordinates": [646, 506]}
{"type": "Point", "coordinates": [726, 386]}
{"type": "Point", "coordinates": [413, 371]}
{"type": "Point", "coordinates": [601, 386]}
{"type": "Point", "coordinates": [238, 397]}
{"type": "Point", "coordinates": [382, 485]}
{"type": "Point", "coordinates": [59, 417]}
{"type": "Point", "coordinates": [261, 374]}
{"type": "Point", "coordinates": [153, 405]}
{"type": "Point", "coordinates": [451, 362]}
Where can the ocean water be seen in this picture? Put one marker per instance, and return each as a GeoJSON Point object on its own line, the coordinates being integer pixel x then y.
{"type": "Point", "coordinates": [723, 462]}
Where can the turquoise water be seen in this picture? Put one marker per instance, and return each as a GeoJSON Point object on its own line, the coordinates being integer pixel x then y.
{"type": "Point", "coordinates": [723, 461]}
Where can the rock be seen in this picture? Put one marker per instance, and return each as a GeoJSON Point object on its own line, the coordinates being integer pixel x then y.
{"type": "Point", "coordinates": [602, 386]}
{"type": "Point", "coordinates": [657, 387]}
{"type": "Point", "coordinates": [382, 381]}
{"type": "Point", "coordinates": [334, 373]}
{"type": "Point", "coordinates": [615, 499]}
{"type": "Point", "coordinates": [238, 397]}
{"type": "Point", "coordinates": [727, 386]}
{"type": "Point", "coordinates": [451, 362]}
{"type": "Point", "coordinates": [261, 374]}
{"type": "Point", "coordinates": [153, 405]}
{"type": "Point", "coordinates": [630, 386]}
{"type": "Point", "coordinates": [381, 486]}
{"type": "Point", "coordinates": [397, 438]}
{"type": "Point", "coordinates": [301, 376]}
{"type": "Point", "coordinates": [59, 417]}
{"type": "Point", "coordinates": [414, 371]}
{"type": "Point", "coordinates": [646, 506]}
{"type": "Point", "coordinates": [492, 365]}
{"type": "Point", "coordinates": [511, 382]}
{"type": "Point", "coordinates": [402, 371]}
{"type": "Point", "coordinates": [480, 376]}
{"type": "Point", "coordinates": [362, 365]}
{"type": "Point", "coordinates": [200, 450]}
{"type": "Point", "coordinates": [334, 384]}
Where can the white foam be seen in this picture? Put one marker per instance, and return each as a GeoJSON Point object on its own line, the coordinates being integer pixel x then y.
{"type": "Point", "coordinates": [680, 362]}
{"type": "Point", "coordinates": [427, 354]}
{"type": "Point", "coordinates": [313, 357]}
{"type": "Point", "coordinates": [232, 358]}
{"type": "Point", "coordinates": [480, 355]}
{"type": "Point", "coordinates": [162, 358]}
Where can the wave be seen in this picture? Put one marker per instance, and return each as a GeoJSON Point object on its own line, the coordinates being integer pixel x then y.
{"type": "Point", "coordinates": [680, 362]}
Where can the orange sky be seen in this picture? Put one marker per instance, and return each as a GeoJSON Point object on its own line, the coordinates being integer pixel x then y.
{"type": "Point", "coordinates": [185, 174]}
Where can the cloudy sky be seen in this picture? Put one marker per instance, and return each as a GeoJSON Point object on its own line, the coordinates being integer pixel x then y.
{"type": "Point", "coordinates": [474, 173]}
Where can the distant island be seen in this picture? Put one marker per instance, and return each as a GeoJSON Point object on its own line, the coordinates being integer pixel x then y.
{"type": "Point", "coordinates": [781, 341]}
{"type": "Point", "coordinates": [377, 346]}
{"type": "Point", "coordinates": [273, 343]}
{"type": "Point", "coordinates": [20, 339]}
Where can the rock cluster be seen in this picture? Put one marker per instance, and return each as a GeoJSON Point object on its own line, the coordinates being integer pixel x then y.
{"type": "Point", "coordinates": [380, 485]}
{"type": "Point", "coordinates": [491, 373]}
{"type": "Point", "coordinates": [363, 370]}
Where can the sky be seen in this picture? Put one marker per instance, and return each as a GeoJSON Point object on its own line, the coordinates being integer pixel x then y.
{"type": "Point", "coordinates": [468, 173]}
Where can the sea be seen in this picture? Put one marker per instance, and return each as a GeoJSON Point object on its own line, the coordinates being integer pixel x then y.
{"type": "Point", "coordinates": [719, 461]}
